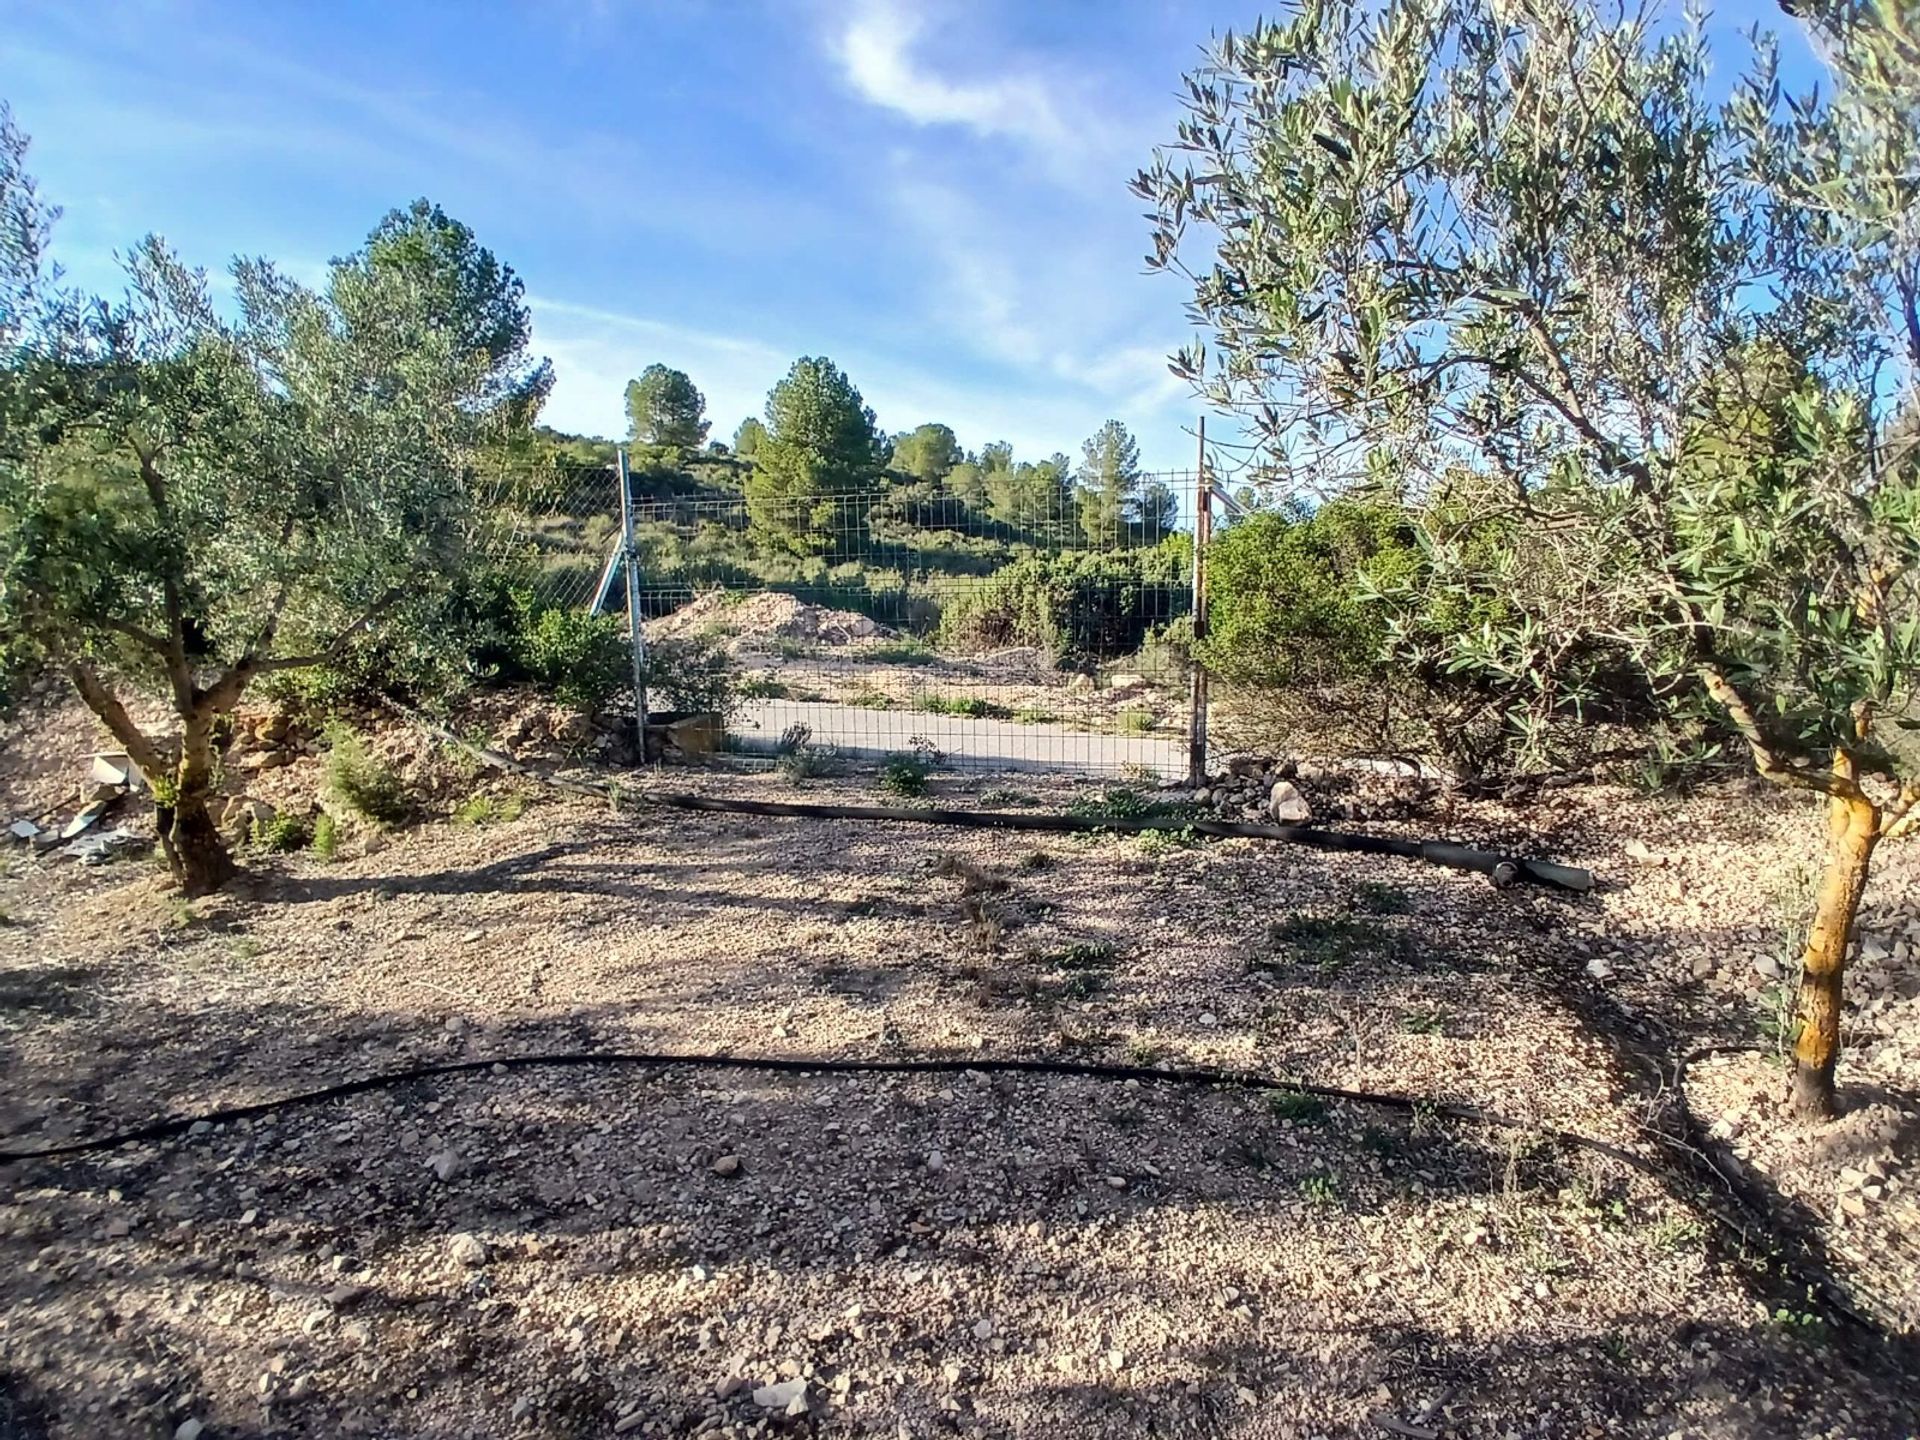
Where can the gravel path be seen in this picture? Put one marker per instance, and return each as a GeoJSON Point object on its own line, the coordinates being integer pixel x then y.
{"type": "Point", "coordinates": [1003, 746]}
{"type": "Point", "coordinates": [584, 1253]}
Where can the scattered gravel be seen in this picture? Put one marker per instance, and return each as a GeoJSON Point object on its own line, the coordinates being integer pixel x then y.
{"type": "Point", "coordinates": [727, 1253]}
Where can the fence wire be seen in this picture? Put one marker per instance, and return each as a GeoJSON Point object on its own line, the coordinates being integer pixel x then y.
{"type": "Point", "coordinates": [1008, 621]}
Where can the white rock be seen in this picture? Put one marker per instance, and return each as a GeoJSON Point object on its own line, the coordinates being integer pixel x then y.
{"type": "Point", "coordinates": [447, 1164]}
{"type": "Point", "coordinates": [1766, 967]}
{"type": "Point", "coordinates": [467, 1249]}
{"type": "Point", "coordinates": [1599, 969]}
{"type": "Point", "coordinates": [188, 1430]}
{"type": "Point", "coordinates": [983, 1329]}
{"type": "Point", "coordinates": [1287, 805]}
{"type": "Point", "coordinates": [783, 1396]}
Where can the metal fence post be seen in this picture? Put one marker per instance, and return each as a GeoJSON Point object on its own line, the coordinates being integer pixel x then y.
{"type": "Point", "coordinates": [630, 562]}
{"type": "Point", "coordinates": [1202, 534]}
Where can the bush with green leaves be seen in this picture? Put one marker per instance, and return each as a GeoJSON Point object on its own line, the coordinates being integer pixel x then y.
{"type": "Point", "coordinates": [1286, 607]}
{"type": "Point", "coordinates": [696, 673]}
{"type": "Point", "coordinates": [905, 774]}
{"type": "Point", "coordinates": [1075, 605]}
{"type": "Point", "coordinates": [281, 834]}
{"type": "Point", "coordinates": [583, 660]}
{"type": "Point", "coordinates": [361, 781]}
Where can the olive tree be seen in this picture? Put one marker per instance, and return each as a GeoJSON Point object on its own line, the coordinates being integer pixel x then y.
{"type": "Point", "coordinates": [193, 496]}
{"type": "Point", "coordinates": [1509, 254]}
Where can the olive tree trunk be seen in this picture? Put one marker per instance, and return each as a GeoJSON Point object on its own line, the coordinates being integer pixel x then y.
{"type": "Point", "coordinates": [195, 852]}
{"type": "Point", "coordinates": [181, 780]}
{"type": "Point", "coordinates": [1853, 829]}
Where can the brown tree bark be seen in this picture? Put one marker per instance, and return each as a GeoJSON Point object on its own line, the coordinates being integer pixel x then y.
{"type": "Point", "coordinates": [195, 850]}
{"type": "Point", "coordinates": [1853, 830]}
{"type": "Point", "coordinates": [181, 784]}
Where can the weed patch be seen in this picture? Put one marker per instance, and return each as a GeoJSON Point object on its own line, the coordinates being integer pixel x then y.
{"type": "Point", "coordinates": [1327, 942]}
{"type": "Point", "coordinates": [966, 707]}
{"type": "Point", "coordinates": [905, 774]}
{"type": "Point", "coordinates": [282, 834]}
{"type": "Point", "coordinates": [360, 781]}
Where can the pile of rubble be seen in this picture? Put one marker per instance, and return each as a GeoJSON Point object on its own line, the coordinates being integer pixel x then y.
{"type": "Point", "coordinates": [750, 621]}
{"type": "Point", "coordinates": [1263, 789]}
{"type": "Point", "coordinates": [111, 777]}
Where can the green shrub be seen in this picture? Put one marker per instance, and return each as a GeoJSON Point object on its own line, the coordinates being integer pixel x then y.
{"type": "Point", "coordinates": [1287, 605]}
{"type": "Point", "coordinates": [694, 674]}
{"type": "Point", "coordinates": [907, 650]}
{"type": "Point", "coordinates": [1136, 722]}
{"type": "Point", "coordinates": [1074, 605]}
{"type": "Point", "coordinates": [360, 781]}
{"type": "Point", "coordinates": [281, 834]}
{"type": "Point", "coordinates": [905, 774]}
{"type": "Point", "coordinates": [967, 707]}
{"type": "Point", "coordinates": [326, 837]}
{"type": "Point", "coordinates": [479, 810]}
{"type": "Point", "coordinates": [583, 660]}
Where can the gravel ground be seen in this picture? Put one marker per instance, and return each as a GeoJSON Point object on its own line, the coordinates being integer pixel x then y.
{"type": "Point", "coordinates": [592, 1252]}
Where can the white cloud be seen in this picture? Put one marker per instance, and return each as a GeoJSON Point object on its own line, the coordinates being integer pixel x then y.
{"type": "Point", "coordinates": [876, 51]}
{"type": "Point", "coordinates": [1031, 307]}
{"type": "Point", "coordinates": [1079, 136]}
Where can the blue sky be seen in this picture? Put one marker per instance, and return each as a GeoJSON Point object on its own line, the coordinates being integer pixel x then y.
{"type": "Point", "coordinates": [932, 192]}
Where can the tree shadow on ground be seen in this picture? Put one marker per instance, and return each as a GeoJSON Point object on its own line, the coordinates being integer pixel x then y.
{"type": "Point", "coordinates": [592, 1186]}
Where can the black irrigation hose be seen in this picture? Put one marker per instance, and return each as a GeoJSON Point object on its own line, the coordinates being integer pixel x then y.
{"type": "Point", "coordinates": [1240, 1079]}
{"type": "Point", "coordinates": [1688, 1146]}
{"type": "Point", "coordinates": [1502, 868]}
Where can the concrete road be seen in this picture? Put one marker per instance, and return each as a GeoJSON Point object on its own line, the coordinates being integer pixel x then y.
{"type": "Point", "coordinates": [866, 734]}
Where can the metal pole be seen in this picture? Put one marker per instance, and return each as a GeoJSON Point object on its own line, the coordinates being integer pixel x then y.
{"type": "Point", "coordinates": [1202, 533]}
{"type": "Point", "coordinates": [630, 562]}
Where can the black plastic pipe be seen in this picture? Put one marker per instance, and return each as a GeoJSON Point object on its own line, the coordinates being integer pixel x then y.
{"type": "Point", "coordinates": [1500, 868]}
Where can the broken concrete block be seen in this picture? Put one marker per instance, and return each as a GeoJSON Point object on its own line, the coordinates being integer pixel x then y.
{"type": "Point", "coordinates": [112, 767]}
{"type": "Point", "coordinates": [99, 848]}
{"type": "Point", "coordinates": [89, 816]}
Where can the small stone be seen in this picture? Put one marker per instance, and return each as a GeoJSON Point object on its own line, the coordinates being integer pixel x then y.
{"type": "Point", "coordinates": [726, 1165]}
{"type": "Point", "coordinates": [467, 1249]}
{"type": "Point", "coordinates": [936, 1162]}
{"type": "Point", "coordinates": [783, 1396]}
{"type": "Point", "coordinates": [1209, 1019]}
{"type": "Point", "coordinates": [1599, 969]}
{"type": "Point", "coordinates": [632, 1420]}
{"type": "Point", "coordinates": [1766, 967]}
{"type": "Point", "coordinates": [1287, 805]}
{"type": "Point", "coordinates": [983, 1329]}
{"type": "Point", "coordinates": [447, 1164]}
{"type": "Point", "coordinates": [200, 1127]}
{"type": "Point", "coordinates": [473, 937]}
{"type": "Point", "coordinates": [188, 1430]}
{"type": "Point", "coordinates": [118, 1229]}
{"type": "Point", "coordinates": [521, 1408]}
{"type": "Point", "coordinates": [1116, 1360]}
{"type": "Point", "coordinates": [1116, 1182]}
{"type": "Point", "coordinates": [344, 1295]}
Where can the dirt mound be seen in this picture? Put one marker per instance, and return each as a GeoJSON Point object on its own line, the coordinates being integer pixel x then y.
{"type": "Point", "coordinates": [744, 619]}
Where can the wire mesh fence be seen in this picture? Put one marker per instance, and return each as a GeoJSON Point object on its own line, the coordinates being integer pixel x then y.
{"type": "Point", "coordinates": [1005, 620]}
